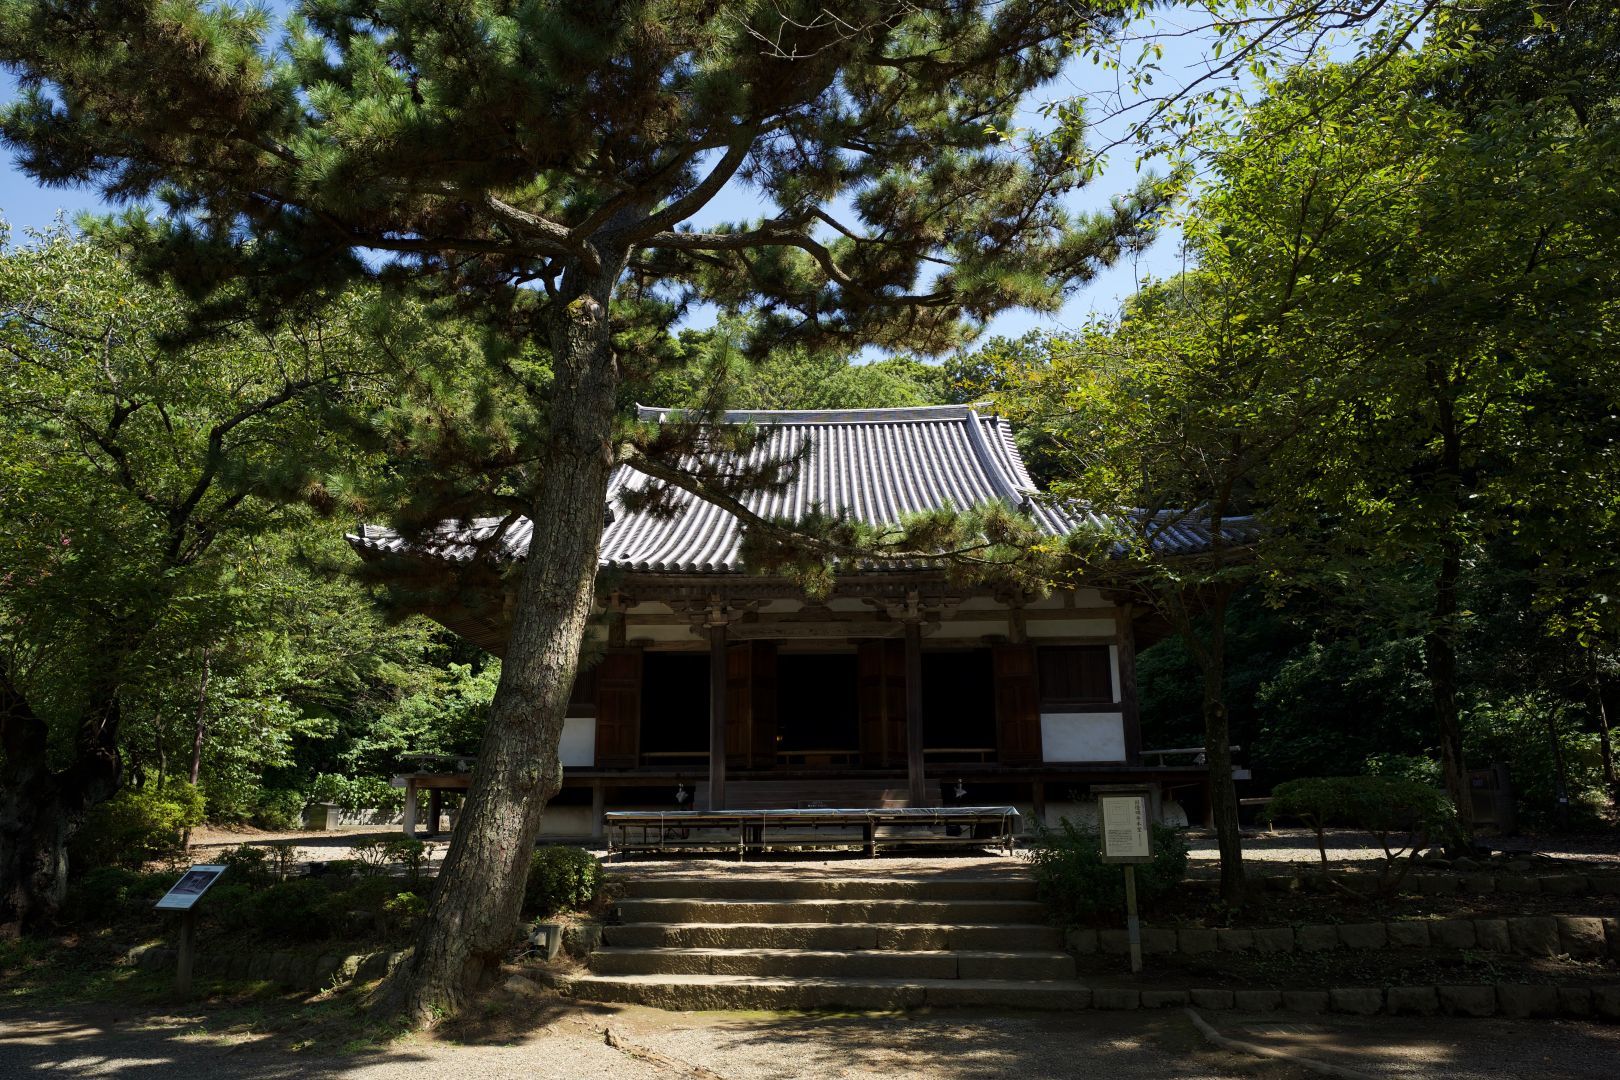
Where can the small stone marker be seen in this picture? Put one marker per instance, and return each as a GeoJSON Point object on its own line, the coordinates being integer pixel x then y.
{"type": "Point", "coordinates": [183, 897]}
{"type": "Point", "coordinates": [1127, 839]}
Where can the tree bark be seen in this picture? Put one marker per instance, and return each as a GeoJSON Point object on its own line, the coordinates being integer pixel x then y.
{"type": "Point", "coordinates": [1560, 772]}
{"type": "Point", "coordinates": [472, 918]}
{"type": "Point", "coordinates": [1600, 706]}
{"type": "Point", "coordinates": [1218, 754]}
{"type": "Point", "coordinates": [41, 808]}
{"type": "Point", "coordinates": [1440, 640]}
{"type": "Point", "coordinates": [202, 721]}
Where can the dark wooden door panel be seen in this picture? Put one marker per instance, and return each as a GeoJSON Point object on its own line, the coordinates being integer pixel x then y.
{"type": "Point", "coordinates": [1018, 705]}
{"type": "Point", "coordinates": [618, 709]}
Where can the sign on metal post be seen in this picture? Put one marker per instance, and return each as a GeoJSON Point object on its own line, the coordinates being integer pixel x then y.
{"type": "Point", "coordinates": [183, 897]}
{"type": "Point", "coordinates": [1124, 820]}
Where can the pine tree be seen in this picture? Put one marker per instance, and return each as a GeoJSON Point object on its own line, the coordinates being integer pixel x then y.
{"type": "Point", "coordinates": [539, 165]}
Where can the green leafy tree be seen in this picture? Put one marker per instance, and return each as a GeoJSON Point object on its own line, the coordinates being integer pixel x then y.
{"type": "Point", "coordinates": [1162, 425]}
{"type": "Point", "coordinates": [542, 166]}
{"type": "Point", "coordinates": [1460, 256]}
{"type": "Point", "coordinates": [127, 516]}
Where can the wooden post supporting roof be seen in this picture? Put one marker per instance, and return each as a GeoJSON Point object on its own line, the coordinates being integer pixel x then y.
{"type": "Point", "coordinates": [1130, 711]}
{"type": "Point", "coordinates": [717, 714]}
{"type": "Point", "coordinates": [914, 715]}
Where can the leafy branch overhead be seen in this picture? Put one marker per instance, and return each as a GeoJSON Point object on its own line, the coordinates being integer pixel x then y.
{"type": "Point", "coordinates": [499, 155]}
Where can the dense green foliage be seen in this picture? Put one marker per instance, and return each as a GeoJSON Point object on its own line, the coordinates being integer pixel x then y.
{"type": "Point", "coordinates": [138, 825]}
{"type": "Point", "coordinates": [561, 878]}
{"type": "Point", "coordinates": [1077, 886]}
{"type": "Point", "coordinates": [251, 899]}
{"type": "Point", "coordinates": [148, 540]}
{"type": "Point", "coordinates": [1395, 346]}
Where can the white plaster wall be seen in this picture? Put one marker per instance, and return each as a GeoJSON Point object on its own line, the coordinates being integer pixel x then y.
{"type": "Point", "coordinates": [1093, 736]}
{"type": "Point", "coordinates": [578, 742]}
{"type": "Point", "coordinates": [566, 821]}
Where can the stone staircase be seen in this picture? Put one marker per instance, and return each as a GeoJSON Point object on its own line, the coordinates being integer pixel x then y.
{"type": "Point", "coordinates": [781, 941]}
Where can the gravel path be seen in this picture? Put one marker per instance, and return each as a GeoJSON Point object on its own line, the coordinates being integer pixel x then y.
{"type": "Point", "coordinates": [553, 1039]}
{"type": "Point", "coordinates": [649, 1044]}
{"type": "Point", "coordinates": [1406, 1048]}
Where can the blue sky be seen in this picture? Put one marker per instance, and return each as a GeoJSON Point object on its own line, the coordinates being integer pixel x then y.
{"type": "Point", "coordinates": [24, 204]}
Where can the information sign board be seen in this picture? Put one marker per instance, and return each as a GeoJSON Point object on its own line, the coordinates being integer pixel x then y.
{"type": "Point", "coordinates": [1123, 820]}
{"type": "Point", "coordinates": [189, 889]}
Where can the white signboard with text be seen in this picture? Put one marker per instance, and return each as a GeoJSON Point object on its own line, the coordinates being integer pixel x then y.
{"type": "Point", "coordinates": [1124, 820]}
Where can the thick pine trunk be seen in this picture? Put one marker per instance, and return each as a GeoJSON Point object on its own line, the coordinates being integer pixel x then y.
{"type": "Point", "coordinates": [472, 918]}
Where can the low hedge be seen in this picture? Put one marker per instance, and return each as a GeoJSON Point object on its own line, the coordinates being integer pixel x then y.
{"type": "Point", "coordinates": [1076, 885]}
{"type": "Point", "coordinates": [561, 879]}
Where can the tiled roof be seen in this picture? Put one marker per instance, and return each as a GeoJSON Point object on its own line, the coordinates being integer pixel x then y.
{"type": "Point", "coordinates": [876, 464]}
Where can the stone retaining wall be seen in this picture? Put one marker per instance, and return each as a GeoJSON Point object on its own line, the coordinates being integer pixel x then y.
{"type": "Point", "coordinates": [1455, 882]}
{"type": "Point", "coordinates": [1531, 935]}
{"type": "Point", "coordinates": [1491, 999]}
{"type": "Point", "coordinates": [1479, 884]}
{"type": "Point", "coordinates": [300, 970]}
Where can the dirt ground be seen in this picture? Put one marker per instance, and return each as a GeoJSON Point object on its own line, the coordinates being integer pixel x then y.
{"type": "Point", "coordinates": [550, 1038]}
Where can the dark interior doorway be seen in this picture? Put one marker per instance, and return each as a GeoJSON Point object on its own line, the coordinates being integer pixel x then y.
{"type": "Point", "coordinates": [958, 700]}
{"type": "Point", "coordinates": [675, 703]}
{"type": "Point", "coordinates": [817, 702]}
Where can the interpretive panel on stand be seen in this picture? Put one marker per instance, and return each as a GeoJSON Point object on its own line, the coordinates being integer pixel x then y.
{"type": "Point", "coordinates": [1124, 821]}
{"type": "Point", "coordinates": [189, 889]}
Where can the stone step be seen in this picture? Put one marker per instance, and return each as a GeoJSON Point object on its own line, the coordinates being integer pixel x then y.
{"type": "Point", "coordinates": [833, 936]}
{"type": "Point", "coordinates": [694, 910]}
{"type": "Point", "coordinates": [685, 992]}
{"type": "Point", "coordinates": [806, 963]}
{"type": "Point", "coordinates": [763, 887]}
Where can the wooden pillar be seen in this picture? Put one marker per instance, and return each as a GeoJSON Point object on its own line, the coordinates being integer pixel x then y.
{"type": "Point", "coordinates": [186, 958]}
{"type": "Point", "coordinates": [598, 808]}
{"type": "Point", "coordinates": [435, 809]}
{"type": "Point", "coordinates": [1038, 797]}
{"type": "Point", "coordinates": [914, 715]}
{"type": "Point", "coordinates": [1130, 714]}
{"type": "Point", "coordinates": [717, 715]}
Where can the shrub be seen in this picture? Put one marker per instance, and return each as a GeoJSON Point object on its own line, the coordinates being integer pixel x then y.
{"type": "Point", "coordinates": [367, 894]}
{"type": "Point", "coordinates": [1074, 882]}
{"type": "Point", "coordinates": [230, 905]}
{"type": "Point", "coordinates": [400, 911]}
{"type": "Point", "coordinates": [354, 793]}
{"type": "Point", "coordinates": [1405, 816]}
{"type": "Point", "coordinates": [105, 892]}
{"type": "Point", "coordinates": [281, 809]}
{"type": "Point", "coordinates": [247, 866]}
{"type": "Point", "coordinates": [298, 910]}
{"type": "Point", "coordinates": [137, 825]}
{"type": "Point", "coordinates": [411, 855]}
{"type": "Point", "coordinates": [561, 879]}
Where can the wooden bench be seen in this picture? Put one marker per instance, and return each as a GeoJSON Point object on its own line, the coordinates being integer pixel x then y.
{"type": "Point", "coordinates": [743, 831]}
